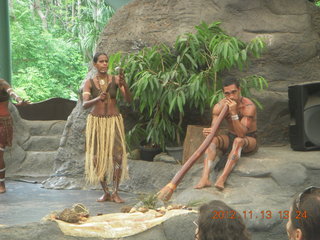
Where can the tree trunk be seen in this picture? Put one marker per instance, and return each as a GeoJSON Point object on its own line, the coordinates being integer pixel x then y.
{"type": "Point", "coordinates": [72, 12]}
{"type": "Point", "coordinates": [37, 8]}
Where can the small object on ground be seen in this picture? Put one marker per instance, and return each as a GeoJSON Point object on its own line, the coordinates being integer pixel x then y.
{"type": "Point", "coordinates": [26, 181]}
{"type": "Point", "coordinates": [68, 215]}
{"type": "Point", "coordinates": [77, 213]}
{"type": "Point", "coordinates": [126, 209]}
{"type": "Point", "coordinates": [175, 206]}
{"type": "Point", "coordinates": [161, 209]}
{"type": "Point", "coordinates": [80, 209]}
{"type": "Point", "coordinates": [143, 209]}
{"type": "Point", "coordinates": [159, 214]}
{"type": "Point", "coordinates": [133, 210]}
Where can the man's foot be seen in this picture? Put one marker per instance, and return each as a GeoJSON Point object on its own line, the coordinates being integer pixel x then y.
{"type": "Point", "coordinates": [115, 198]}
{"type": "Point", "coordinates": [2, 188]}
{"type": "Point", "coordinates": [104, 198]}
{"type": "Point", "coordinates": [203, 183]}
{"type": "Point", "coordinates": [219, 184]}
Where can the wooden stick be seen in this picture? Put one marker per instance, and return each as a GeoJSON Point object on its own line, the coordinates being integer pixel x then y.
{"type": "Point", "coordinates": [166, 192]}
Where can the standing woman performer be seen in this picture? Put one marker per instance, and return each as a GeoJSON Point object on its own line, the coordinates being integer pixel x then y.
{"type": "Point", "coordinates": [6, 125]}
{"type": "Point", "coordinates": [106, 158]}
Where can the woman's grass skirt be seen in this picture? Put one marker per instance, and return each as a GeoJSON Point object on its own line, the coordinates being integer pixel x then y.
{"type": "Point", "coordinates": [105, 140]}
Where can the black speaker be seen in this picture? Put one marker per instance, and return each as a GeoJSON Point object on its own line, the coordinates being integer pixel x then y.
{"type": "Point", "coordinates": [304, 107]}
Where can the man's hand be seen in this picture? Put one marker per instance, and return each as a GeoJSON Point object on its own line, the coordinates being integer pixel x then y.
{"type": "Point", "coordinates": [23, 102]}
{"type": "Point", "coordinates": [232, 106]}
{"type": "Point", "coordinates": [206, 131]}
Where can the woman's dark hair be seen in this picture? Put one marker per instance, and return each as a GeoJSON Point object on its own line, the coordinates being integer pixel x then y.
{"type": "Point", "coordinates": [97, 55]}
{"type": "Point", "coordinates": [229, 81]}
{"type": "Point", "coordinates": [213, 225]}
{"type": "Point", "coordinates": [305, 213]}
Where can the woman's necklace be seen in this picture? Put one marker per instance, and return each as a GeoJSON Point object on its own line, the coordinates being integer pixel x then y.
{"type": "Point", "coordinates": [103, 83]}
{"type": "Point", "coordinates": [103, 86]}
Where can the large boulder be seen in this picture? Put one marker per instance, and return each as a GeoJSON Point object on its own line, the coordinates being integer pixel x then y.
{"type": "Point", "coordinates": [292, 56]}
{"type": "Point", "coordinates": [289, 27]}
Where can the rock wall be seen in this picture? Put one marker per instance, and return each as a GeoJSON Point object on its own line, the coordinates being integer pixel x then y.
{"type": "Point", "coordinates": [34, 147]}
{"type": "Point", "coordinates": [292, 56]}
{"type": "Point", "coordinates": [291, 30]}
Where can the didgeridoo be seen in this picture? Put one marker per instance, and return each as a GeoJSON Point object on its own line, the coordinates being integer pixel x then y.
{"type": "Point", "coordinates": [166, 192]}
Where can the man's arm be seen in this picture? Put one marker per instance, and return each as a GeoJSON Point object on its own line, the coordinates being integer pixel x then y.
{"type": "Point", "coordinates": [242, 126]}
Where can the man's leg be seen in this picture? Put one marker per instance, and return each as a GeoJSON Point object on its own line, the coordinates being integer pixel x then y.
{"type": "Point", "coordinates": [210, 155]}
{"type": "Point", "coordinates": [2, 171]}
{"type": "Point", "coordinates": [248, 144]}
{"type": "Point", "coordinates": [116, 179]}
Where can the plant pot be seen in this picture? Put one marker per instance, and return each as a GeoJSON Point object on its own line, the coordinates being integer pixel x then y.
{"type": "Point", "coordinates": [175, 152]}
{"type": "Point", "coordinates": [147, 153]}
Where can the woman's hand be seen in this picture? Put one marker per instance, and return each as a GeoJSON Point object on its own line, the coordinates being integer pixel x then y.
{"type": "Point", "coordinates": [23, 102]}
{"type": "Point", "coordinates": [103, 96]}
{"type": "Point", "coordinates": [122, 81]}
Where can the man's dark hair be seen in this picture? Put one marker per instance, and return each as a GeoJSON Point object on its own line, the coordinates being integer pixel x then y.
{"type": "Point", "coordinates": [97, 55]}
{"type": "Point", "coordinates": [228, 226]}
{"type": "Point", "coordinates": [309, 224]}
{"type": "Point", "coordinates": [229, 81]}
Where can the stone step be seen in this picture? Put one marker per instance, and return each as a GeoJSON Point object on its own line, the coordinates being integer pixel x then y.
{"type": "Point", "coordinates": [42, 143]}
{"type": "Point", "coordinates": [36, 164]}
{"type": "Point", "coordinates": [45, 128]}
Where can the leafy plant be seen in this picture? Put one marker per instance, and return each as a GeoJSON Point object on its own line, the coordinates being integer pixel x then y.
{"type": "Point", "coordinates": [165, 81]}
{"type": "Point", "coordinates": [52, 41]}
{"type": "Point", "coordinates": [149, 200]}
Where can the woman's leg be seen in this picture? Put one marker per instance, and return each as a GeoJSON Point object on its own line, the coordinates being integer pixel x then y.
{"type": "Point", "coordinates": [116, 178]}
{"type": "Point", "coordinates": [106, 195]}
{"type": "Point", "coordinates": [2, 171]}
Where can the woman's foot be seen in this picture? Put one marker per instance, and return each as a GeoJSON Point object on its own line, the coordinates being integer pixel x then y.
{"type": "Point", "coordinates": [116, 198]}
{"type": "Point", "coordinates": [2, 187]}
{"type": "Point", "coordinates": [105, 197]}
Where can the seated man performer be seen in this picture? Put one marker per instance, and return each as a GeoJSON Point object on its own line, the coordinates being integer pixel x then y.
{"type": "Point", "coordinates": [241, 120]}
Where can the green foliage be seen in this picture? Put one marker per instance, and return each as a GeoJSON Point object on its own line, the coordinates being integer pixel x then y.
{"type": "Point", "coordinates": [317, 3]}
{"type": "Point", "coordinates": [165, 81]}
{"type": "Point", "coordinates": [149, 200]}
{"type": "Point", "coordinates": [43, 66]}
{"type": "Point", "coordinates": [50, 61]}
{"type": "Point", "coordinates": [86, 29]}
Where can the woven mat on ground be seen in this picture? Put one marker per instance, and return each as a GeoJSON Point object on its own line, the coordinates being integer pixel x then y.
{"type": "Point", "coordinates": [117, 225]}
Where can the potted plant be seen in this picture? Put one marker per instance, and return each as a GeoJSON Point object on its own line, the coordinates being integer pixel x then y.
{"type": "Point", "coordinates": [165, 81]}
